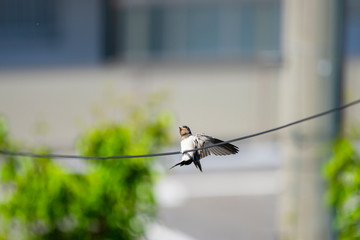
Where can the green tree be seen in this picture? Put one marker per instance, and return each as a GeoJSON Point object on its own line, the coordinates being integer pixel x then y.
{"type": "Point", "coordinates": [111, 199]}
{"type": "Point", "coordinates": [342, 173]}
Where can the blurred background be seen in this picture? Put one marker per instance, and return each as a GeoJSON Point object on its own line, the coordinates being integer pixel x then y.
{"type": "Point", "coordinates": [224, 68]}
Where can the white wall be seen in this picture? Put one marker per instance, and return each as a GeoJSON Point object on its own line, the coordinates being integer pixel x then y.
{"type": "Point", "coordinates": [226, 101]}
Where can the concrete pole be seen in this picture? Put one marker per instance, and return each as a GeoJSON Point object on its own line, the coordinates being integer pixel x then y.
{"type": "Point", "coordinates": [308, 87]}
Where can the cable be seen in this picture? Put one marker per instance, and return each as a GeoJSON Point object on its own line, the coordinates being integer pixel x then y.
{"type": "Point", "coordinates": [283, 126]}
{"type": "Point", "coordinates": [12, 153]}
{"type": "Point", "coordinates": [15, 153]}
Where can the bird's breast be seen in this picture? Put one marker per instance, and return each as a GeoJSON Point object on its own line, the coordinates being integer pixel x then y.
{"type": "Point", "coordinates": [187, 144]}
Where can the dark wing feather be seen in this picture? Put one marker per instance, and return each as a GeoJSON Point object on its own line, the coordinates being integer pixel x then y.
{"type": "Point", "coordinates": [220, 150]}
{"type": "Point", "coordinates": [204, 153]}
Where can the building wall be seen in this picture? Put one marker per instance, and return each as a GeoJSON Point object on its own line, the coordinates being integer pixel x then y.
{"type": "Point", "coordinates": [225, 101]}
{"type": "Point", "coordinates": [222, 94]}
{"type": "Point", "coordinates": [222, 100]}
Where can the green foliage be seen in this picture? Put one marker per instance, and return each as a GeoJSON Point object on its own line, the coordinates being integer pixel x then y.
{"type": "Point", "coordinates": [112, 199]}
{"type": "Point", "coordinates": [342, 173]}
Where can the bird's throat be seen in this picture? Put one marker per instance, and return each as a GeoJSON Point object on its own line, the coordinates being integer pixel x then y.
{"type": "Point", "coordinates": [184, 136]}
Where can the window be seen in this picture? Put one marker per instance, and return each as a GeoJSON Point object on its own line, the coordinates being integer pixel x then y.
{"type": "Point", "coordinates": [231, 30]}
{"type": "Point", "coordinates": [27, 19]}
{"type": "Point", "coordinates": [352, 37]}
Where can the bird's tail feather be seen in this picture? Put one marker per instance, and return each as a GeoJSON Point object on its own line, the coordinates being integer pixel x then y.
{"type": "Point", "coordinates": [182, 163]}
{"type": "Point", "coordinates": [198, 165]}
{"type": "Point", "coordinates": [178, 164]}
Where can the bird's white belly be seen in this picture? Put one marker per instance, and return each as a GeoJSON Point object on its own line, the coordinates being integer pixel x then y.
{"type": "Point", "coordinates": [187, 144]}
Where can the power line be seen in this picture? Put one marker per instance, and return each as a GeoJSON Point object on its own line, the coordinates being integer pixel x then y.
{"type": "Point", "coordinates": [284, 126]}
{"type": "Point", "coordinates": [27, 154]}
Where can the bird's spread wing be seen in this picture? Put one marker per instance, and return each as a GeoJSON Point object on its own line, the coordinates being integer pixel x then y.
{"type": "Point", "coordinates": [220, 150]}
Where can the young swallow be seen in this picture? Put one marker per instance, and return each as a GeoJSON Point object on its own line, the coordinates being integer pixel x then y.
{"type": "Point", "coordinates": [189, 142]}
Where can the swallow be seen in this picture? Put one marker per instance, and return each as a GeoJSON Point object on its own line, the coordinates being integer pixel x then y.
{"type": "Point", "coordinates": [190, 142]}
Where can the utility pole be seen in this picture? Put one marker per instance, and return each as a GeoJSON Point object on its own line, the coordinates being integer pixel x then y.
{"type": "Point", "coordinates": [310, 81]}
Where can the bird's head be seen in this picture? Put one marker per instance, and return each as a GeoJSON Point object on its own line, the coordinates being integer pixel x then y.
{"type": "Point", "coordinates": [184, 130]}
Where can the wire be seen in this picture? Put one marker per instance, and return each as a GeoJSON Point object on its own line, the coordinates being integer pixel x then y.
{"type": "Point", "coordinates": [13, 153]}
{"type": "Point", "coordinates": [27, 154]}
{"type": "Point", "coordinates": [283, 126]}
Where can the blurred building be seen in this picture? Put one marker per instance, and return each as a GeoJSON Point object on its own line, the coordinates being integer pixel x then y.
{"type": "Point", "coordinates": [209, 50]}
{"type": "Point", "coordinates": [66, 32]}
{"type": "Point", "coordinates": [149, 45]}
{"type": "Point", "coordinates": [60, 32]}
